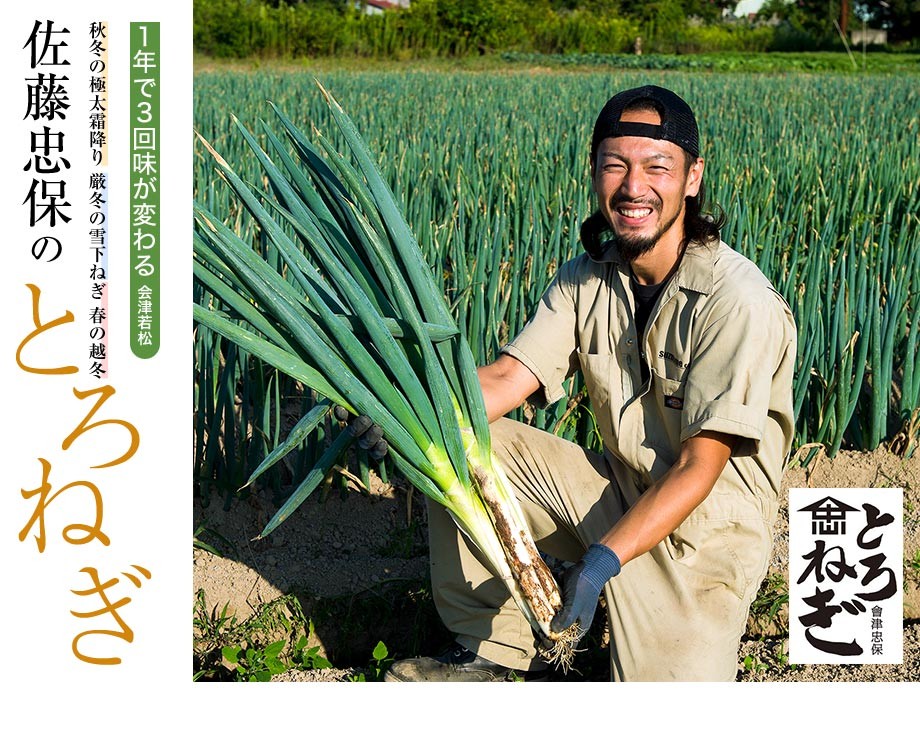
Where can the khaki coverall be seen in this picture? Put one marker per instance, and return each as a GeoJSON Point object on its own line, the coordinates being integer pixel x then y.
{"type": "Point", "coordinates": [720, 347]}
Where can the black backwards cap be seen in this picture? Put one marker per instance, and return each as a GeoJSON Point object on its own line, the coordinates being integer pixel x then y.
{"type": "Point", "coordinates": [678, 125]}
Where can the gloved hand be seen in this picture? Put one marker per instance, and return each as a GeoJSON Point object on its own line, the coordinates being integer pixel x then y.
{"type": "Point", "coordinates": [368, 434]}
{"type": "Point", "coordinates": [581, 587]}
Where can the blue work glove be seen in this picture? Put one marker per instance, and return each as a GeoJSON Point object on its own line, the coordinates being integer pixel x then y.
{"type": "Point", "coordinates": [368, 434]}
{"type": "Point", "coordinates": [581, 587]}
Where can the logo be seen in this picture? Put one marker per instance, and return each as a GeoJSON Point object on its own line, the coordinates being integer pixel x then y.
{"type": "Point", "coordinates": [670, 357]}
{"type": "Point", "coordinates": [846, 585]}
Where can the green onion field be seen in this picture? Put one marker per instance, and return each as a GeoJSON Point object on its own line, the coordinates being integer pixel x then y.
{"type": "Point", "coordinates": [819, 176]}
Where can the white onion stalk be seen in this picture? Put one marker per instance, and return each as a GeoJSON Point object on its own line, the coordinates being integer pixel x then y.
{"type": "Point", "coordinates": [517, 560]}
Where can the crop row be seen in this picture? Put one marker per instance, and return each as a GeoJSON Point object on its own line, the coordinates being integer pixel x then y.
{"type": "Point", "coordinates": [819, 177]}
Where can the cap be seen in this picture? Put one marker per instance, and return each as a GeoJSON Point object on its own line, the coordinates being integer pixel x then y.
{"type": "Point", "coordinates": [678, 125]}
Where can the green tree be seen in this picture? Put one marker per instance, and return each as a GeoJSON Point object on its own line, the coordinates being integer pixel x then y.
{"type": "Point", "coordinates": [813, 17]}
{"type": "Point", "coordinates": [901, 18]}
{"type": "Point", "coordinates": [482, 24]}
{"type": "Point", "coordinates": [710, 11]}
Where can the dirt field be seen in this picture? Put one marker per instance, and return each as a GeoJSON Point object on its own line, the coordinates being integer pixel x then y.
{"type": "Point", "coordinates": [366, 555]}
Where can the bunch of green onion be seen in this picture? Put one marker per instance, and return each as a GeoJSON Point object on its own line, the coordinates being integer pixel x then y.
{"type": "Point", "coordinates": [343, 301]}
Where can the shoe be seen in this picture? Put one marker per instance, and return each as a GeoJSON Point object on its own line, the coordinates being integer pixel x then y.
{"type": "Point", "coordinates": [457, 664]}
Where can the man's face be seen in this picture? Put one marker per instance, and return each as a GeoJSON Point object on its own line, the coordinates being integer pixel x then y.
{"type": "Point", "coordinates": [641, 185]}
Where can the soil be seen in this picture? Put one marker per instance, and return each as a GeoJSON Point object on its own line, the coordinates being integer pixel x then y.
{"type": "Point", "coordinates": [359, 558]}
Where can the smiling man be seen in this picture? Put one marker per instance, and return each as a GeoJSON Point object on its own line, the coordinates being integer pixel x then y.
{"type": "Point", "coordinates": [687, 353]}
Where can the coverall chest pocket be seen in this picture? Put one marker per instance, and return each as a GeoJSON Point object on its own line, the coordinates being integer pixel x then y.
{"type": "Point", "coordinates": [668, 395]}
{"type": "Point", "coordinates": [602, 381]}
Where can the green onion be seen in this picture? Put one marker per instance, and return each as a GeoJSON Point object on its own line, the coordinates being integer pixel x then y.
{"type": "Point", "coordinates": [353, 312]}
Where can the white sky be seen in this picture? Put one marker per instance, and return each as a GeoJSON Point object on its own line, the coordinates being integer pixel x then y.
{"type": "Point", "coordinates": [748, 6]}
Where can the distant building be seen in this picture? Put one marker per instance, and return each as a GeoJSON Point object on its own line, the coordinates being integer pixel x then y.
{"type": "Point", "coordinates": [376, 7]}
{"type": "Point", "coordinates": [869, 36]}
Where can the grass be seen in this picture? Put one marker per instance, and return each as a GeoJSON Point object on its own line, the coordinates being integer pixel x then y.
{"type": "Point", "coordinates": [726, 62]}
{"type": "Point", "coordinates": [769, 661]}
{"type": "Point", "coordinates": [768, 625]}
{"type": "Point", "coordinates": [914, 563]}
{"type": "Point", "coordinates": [346, 632]}
{"type": "Point", "coordinates": [406, 543]}
{"type": "Point", "coordinates": [400, 612]}
{"type": "Point", "coordinates": [276, 638]}
{"type": "Point", "coordinates": [212, 542]}
{"type": "Point", "coordinates": [770, 600]}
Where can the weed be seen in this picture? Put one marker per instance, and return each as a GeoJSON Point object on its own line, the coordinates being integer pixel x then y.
{"type": "Point", "coordinates": [914, 563]}
{"type": "Point", "coordinates": [400, 612]}
{"type": "Point", "coordinates": [770, 599]}
{"type": "Point", "coordinates": [379, 664]}
{"type": "Point", "coordinates": [199, 543]}
{"type": "Point", "coordinates": [260, 664]}
{"type": "Point", "coordinates": [254, 663]}
{"type": "Point", "coordinates": [283, 613]}
{"type": "Point", "coordinates": [212, 628]}
{"type": "Point", "coordinates": [226, 649]}
{"type": "Point", "coordinates": [753, 663]}
{"type": "Point", "coordinates": [210, 625]}
{"type": "Point", "coordinates": [882, 480]}
{"type": "Point", "coordinates": [380, 661]}
{"type": "Point", "coordinates": [781, 654]}
{"type": "Point", "coordinates": [770, 658]}
{"type": "Point", "coordinates": [306, 658]}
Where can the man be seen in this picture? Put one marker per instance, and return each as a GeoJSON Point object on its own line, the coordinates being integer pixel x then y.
{"type": "Point", "coordinates": [687, 353]}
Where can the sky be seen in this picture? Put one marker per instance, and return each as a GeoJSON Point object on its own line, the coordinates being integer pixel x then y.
{"type": "Point", "coordinates": [748, 6]}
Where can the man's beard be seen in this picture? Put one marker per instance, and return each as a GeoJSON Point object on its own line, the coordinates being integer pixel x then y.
{"type": "Point", "coordinates": [633, 247]}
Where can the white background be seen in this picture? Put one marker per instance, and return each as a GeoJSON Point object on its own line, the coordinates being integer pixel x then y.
{"type": "Point", "coordinates": [49, 694]}
{"type": "Point", "coordinates": [146, 500]}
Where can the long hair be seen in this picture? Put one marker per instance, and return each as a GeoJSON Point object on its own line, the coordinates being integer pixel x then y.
{"type": "Point", "coordinates": [702, 222]}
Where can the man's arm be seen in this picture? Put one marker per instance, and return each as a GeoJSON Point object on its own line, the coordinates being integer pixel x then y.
{"type": "Point", "coordinates": [659, 511]}
{"type": "Point", "coordinates": [667, 503]}
{"type": "Point", "coordinates": [506, 383]}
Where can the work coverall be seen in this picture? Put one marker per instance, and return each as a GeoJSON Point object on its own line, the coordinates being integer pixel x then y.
{"type": "Point", "coordinates": [720, 351]}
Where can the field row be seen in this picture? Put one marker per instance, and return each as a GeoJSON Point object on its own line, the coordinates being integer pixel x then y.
{"type": "Point", "coordinates": [819, 177]}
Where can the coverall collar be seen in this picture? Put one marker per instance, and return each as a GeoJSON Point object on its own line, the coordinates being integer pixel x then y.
{"type": "Point", "coordinates": [694, 273]}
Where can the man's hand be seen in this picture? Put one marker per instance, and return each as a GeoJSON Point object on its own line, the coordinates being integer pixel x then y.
{"type": "Point", "coordinates": [368, 434]}
{"type": "Point", "coordinates": [582, 586]}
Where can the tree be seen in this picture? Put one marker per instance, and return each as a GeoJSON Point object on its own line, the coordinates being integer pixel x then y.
{"type": "Point", "coordinates": [901, 18]}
